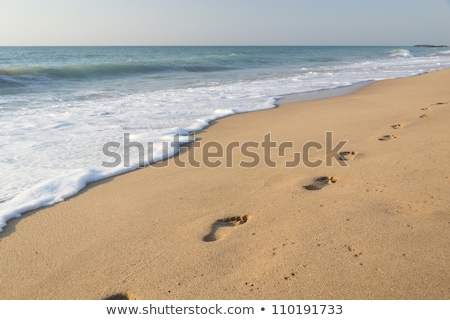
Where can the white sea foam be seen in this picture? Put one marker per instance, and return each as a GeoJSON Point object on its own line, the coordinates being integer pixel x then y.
{"type": "Point", "coordinates": [402, 53]}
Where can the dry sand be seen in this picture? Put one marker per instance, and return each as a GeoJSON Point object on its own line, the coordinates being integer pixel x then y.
{"type": "Point", "coordinates": [377, 228]}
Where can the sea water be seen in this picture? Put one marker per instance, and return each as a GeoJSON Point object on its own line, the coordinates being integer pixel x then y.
{"type": "Point", "coordinates": [60, 106]}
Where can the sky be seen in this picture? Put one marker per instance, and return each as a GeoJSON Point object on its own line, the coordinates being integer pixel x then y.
{"type": "Point", "coordinates": [225, 22]}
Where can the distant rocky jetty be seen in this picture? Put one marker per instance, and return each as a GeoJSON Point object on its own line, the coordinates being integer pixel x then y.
{"type": "Point", "coordinates": [432, 45]}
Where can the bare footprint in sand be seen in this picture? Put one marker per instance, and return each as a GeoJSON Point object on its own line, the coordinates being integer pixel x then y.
{"type": "Point", "coordinates": [388, 137]}
{"type": "Point", "coordinates": [221, 228]}
{"type": "Point", "coordinates": [398, 126]}
{"type": "Point", "coordinates": [121, 296]}
{"type": "Point", "coordinates": [348, 155]}
{"type": "Point", "coordinates": [321, 182]}
{"type": "Point", "coordinates": [427, 109]}
{"type": "Point", "coordinates": [427, 115]}
{"type": "Point", "coordinates": [439, 103]}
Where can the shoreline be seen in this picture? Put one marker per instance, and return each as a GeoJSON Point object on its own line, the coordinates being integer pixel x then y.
{"type": "Point", "coordinates": [284, 99]}
{"type": "Point", "coordinates": [323, 93]}
{"type": "Point", "coordinates": [53, 178]}
{"type": "Point", "coordinates": [163, 233]}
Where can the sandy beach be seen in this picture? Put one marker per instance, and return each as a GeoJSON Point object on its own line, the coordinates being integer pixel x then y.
{"type": "Point", "coordinates": [339, 198]}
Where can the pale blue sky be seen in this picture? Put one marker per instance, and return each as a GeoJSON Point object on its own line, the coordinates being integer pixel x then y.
{"type": "Point", "coordinates": [225, 22]}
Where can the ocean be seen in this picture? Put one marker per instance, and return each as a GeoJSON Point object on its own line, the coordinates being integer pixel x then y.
{"type": "Point", "coordinates": [65, 110]}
